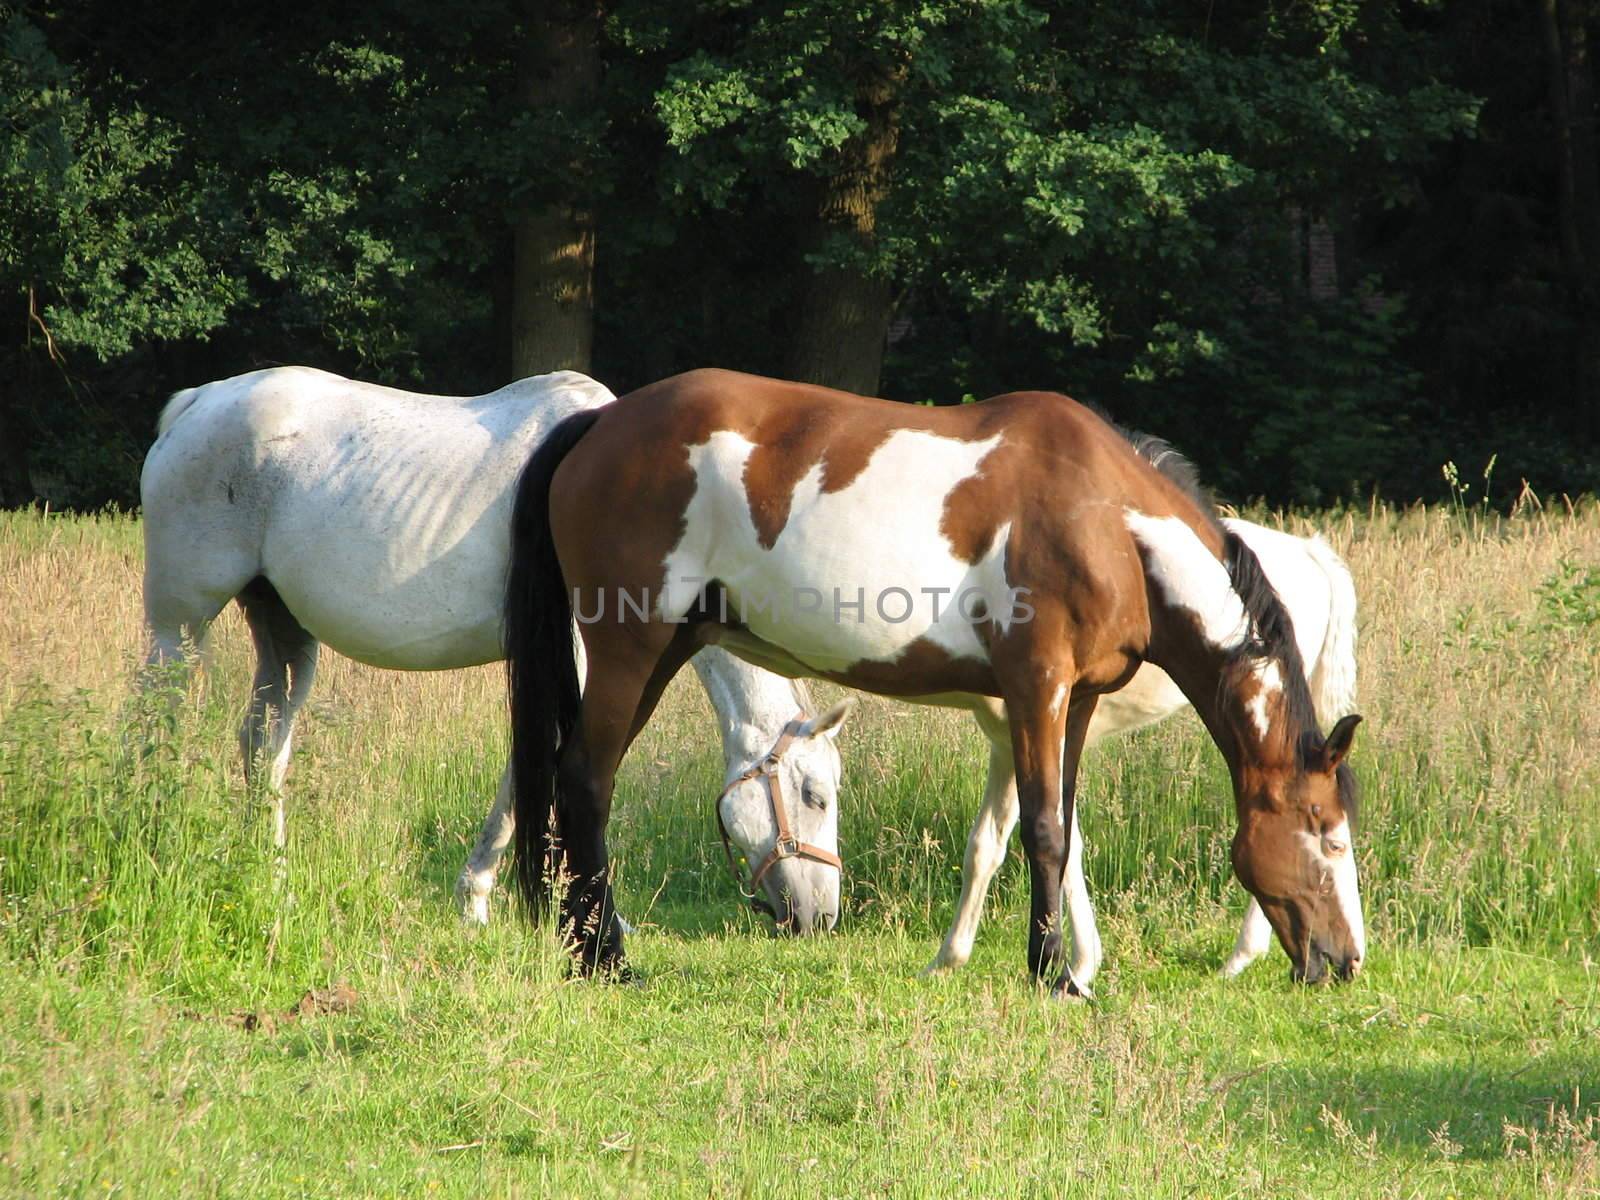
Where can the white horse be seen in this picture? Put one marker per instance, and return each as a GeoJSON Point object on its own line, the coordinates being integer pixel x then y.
{"type": "Point", "coordinates": [377, 521]}
{"type": "Point", "coordinates": [1315, 586]}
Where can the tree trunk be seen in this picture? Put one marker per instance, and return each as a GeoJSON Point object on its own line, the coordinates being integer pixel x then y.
{"type": "Point", "coordinates": [501, 282]}
{"type": "Point", "coordinates": [16, 481]}
{"type": "Point", "coordinates": [1565, 31]}
{"type": "Point", "coordinates": [552, 304]}
{"type": "Point", "coordinates": [18, 386]}
{"type": "Point", "coordinates": [844, 309]}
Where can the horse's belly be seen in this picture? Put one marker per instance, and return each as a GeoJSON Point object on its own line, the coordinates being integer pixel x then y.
{"type": "Point", "coordinates": [393, 641]}
{"type": "Point", "coordinates": [408, 598]}
{"type": "Point", "coordinates": [408, 626]}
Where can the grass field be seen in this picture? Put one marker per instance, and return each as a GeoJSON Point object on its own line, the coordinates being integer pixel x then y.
{"type": "Point", "coordinates": [153, 1039]}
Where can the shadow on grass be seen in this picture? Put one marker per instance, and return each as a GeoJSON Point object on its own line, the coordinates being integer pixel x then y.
{"type": "Point", "coordinates": [315, 1042]}
{"type": "Point", "coordinates": [688, 905]}
{"type": "Point", "coordinates": [1460, 1110]}
{"type": "Point", "coordinates": [443, 842]}
{"type": "Point", "coordinates": [694, 919]}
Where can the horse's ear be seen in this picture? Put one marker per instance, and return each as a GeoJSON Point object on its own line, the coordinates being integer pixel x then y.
{"type": "Point", "coordinates": [830, 722]}
{"type": "Point", "coordinates": [1337, 746]}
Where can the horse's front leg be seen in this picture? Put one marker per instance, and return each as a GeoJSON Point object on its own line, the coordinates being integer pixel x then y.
{"type": "Point", "coordinates": [986, 850]}
{"type": "Point", "coordinates": [1048, 729]}
{"type": "Point", "coordinates": [1086, 951]}
{"type": "Point", "coordinates": [1080, 712]}
{"type": "Point", "coordinates": [1038, 713]}
{"type": "Point", "coordinates": [1255, 939]}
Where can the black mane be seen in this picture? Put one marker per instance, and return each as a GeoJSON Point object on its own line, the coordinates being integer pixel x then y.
{"type": "Point", "coordinates": [1271, 634]}
{"type": "Point", "coordinates": [1271, 627]}
{"type": "Point", "coordinates": [1171, 462]}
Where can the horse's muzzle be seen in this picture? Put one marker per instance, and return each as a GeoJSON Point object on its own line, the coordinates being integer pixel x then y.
{"type": "Point", "coordinates": [799, 919]}
{"type": "Point", "coordinates": [1320, 967]}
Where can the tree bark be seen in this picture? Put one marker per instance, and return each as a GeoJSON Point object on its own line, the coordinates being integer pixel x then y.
{"type": "Point", "coordinates": [1565, 27]}
{"type": "Point", "coordinates": [843, 317]}
{"type": "Point", "coordinates": [552, 303]}
{"type": "Point", "coordinates": [19, 384]}
{"type": "Point", "coordinates": [16, 480]}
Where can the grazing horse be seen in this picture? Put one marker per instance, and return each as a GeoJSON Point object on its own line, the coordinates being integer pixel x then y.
{"type": "Point", "coordinates": [1016, 550]}
{"type": "Point", "coordinates": [1314, 585]}
{"type": "Point", "coordinates": [378, 521]}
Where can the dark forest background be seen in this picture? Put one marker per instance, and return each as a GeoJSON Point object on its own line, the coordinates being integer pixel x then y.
{"type": "Point", "coordinates": [1324, 246]}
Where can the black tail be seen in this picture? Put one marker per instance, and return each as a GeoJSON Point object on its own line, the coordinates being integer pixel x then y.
{"type": "Point", "coordinates": [541, 664]}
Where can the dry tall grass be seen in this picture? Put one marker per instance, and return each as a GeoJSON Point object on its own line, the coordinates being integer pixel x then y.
{"type": "Point", "coordinates": [1479, 664]}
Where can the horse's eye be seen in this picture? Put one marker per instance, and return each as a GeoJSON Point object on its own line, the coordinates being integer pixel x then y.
{"type": "Point", "coordinates": [810, 796]}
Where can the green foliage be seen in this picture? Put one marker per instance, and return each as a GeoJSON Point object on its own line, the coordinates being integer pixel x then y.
{"type": "Point", "coordinates": [1097, 198]}
{"type": "Point", "coordinates": [94, 226]}
{"type": "Point", "coordinates": [1571, 598]}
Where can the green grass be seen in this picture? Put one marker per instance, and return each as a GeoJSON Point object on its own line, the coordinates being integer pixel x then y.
{"type": "Point", "coordinates": [141, 920]}
{"type": "Point", "coordinates": [742, 1066]}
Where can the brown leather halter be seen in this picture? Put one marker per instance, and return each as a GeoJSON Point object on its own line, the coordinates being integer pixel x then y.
{"type": "Point", "coordinates": [787, 845]}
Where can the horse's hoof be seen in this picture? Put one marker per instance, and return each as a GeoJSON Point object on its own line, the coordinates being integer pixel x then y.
{"type": "Point", "coordinates": [474, 909]}
{"type": "Point", "coordinates": [1068, 988]}
{"type": "Point", "coordinates": [618, 973]}
{"type": "Point", "coordinates": [607, 967]}
{"type": "Point", "coordinates": [472, 899]}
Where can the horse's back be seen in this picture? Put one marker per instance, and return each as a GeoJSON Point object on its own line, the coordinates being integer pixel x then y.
{"type": "Point", "coordinates": [776, 489]}
{"type": "Point", "coordinates": [1296, 574]}
{"type": "Point", "coordinates": [379, 515]}
{"type": "Point", "coordinates": [1316, 587]}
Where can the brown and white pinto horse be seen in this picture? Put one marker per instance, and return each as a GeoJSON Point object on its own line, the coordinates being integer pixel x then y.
{"type": "Point", "coordinates": [1017, 549]}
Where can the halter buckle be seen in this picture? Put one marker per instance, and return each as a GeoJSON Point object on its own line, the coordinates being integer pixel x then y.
{"type": "Point", "coordinates": [787, 847]}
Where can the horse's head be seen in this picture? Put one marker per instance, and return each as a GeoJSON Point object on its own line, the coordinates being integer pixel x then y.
{"type": "Point", "coordinates": [783, 812]}
{"type": "Point", "coordinates": [1293, 852]}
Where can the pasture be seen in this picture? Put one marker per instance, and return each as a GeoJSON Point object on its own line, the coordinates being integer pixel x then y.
{"type": "Point", "coordinates": [174, 1021]}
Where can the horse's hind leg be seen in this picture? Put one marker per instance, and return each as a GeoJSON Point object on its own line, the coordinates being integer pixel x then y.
{"type": "Point", "coordinates": [476, 881]}
{"type": "Point", "coordinates": [177, 614]}
{"type": "Point", "coordinates": [624, 678]}
{"type": "Point", "coordinates": [477, 877]}
{"type": "Point", "coordinates": [286, 667]}
{"type": "Point", "coordinates": [175, 629]}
